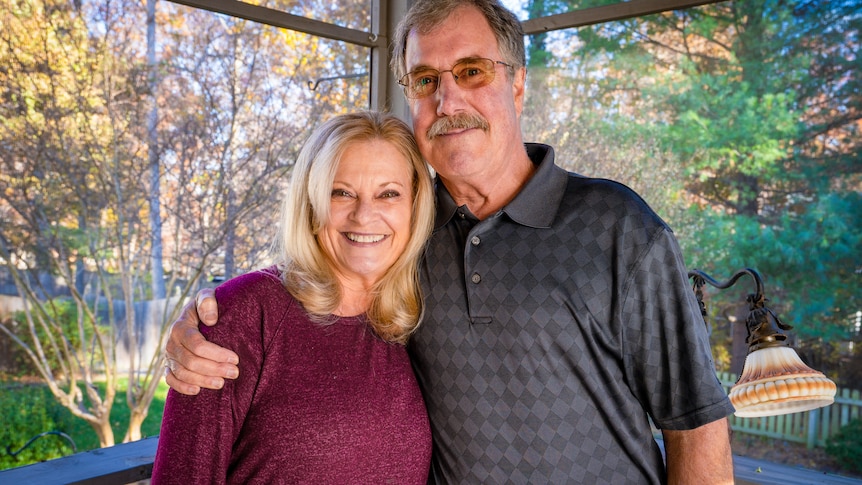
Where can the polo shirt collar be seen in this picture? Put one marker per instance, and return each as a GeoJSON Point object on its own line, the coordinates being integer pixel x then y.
{"type": "Point", "coordinates": [537, 202]}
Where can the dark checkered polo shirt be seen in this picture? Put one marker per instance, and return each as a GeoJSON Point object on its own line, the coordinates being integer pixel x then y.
{"type": "Point", "coordinates": [552, 329]}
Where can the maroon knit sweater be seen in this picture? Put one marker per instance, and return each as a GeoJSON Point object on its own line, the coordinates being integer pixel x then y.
{"type": "Point", "coordinates": [313, 403]}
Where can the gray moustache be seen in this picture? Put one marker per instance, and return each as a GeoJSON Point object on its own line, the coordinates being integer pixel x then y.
{"type": "Point", "coordinates": [457, 122]}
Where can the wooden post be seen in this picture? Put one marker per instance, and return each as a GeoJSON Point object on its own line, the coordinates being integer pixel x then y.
{"type": "Point", "coordinates": [813, 423]}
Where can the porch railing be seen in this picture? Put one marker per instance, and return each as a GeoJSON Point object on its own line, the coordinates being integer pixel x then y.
{"type": "Point", "coordinates": [133, 462]}
{"type": "Point", "coordinates": [115, 465]}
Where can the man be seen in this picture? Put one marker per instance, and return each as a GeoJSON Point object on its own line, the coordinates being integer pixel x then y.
{"type": "Point", "coordinates": [558, 312]}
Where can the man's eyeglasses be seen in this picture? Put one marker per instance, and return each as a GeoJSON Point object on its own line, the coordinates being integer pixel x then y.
{"type": "Point", "coordinates": [470, 73]}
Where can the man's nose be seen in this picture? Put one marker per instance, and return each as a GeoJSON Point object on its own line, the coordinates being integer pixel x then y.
{"type": "Point", "coordinates": [449, 94]}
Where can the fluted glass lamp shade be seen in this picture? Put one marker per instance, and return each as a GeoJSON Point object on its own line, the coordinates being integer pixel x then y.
{"type": "Point", "coordinates": [774, 379]}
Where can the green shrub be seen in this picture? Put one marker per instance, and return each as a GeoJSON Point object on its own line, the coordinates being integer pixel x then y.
{"type": "Point", "coordinates": [29, 410]}
{"type": "Point", "coordinates": [846, 446]}
{"type": "Point", "coordinates": [15, 361]}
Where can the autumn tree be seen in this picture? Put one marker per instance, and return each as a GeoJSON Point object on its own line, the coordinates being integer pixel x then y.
{"type": "Point", "coordinates": [63, 161]}
{"type": "Point", "coordinates": [85, 138]}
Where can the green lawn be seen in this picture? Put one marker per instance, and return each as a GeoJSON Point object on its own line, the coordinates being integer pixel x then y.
{"type": "Point", "coordinates": [26, 410]}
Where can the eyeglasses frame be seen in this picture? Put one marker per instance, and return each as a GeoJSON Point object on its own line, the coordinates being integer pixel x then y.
{"type": "Point", "coordinates": [403, 80]}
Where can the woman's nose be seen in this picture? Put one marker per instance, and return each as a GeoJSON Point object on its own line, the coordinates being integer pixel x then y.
{"type": "Point", "coordinates": [363, 209]}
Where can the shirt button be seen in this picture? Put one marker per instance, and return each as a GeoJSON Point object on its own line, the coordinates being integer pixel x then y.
{"type": "Point", "coordinates": [476, 278]}
{"type": "Point", "coordinates": [475, 241]}
{"type": "Point", "coordinates": [461, 215]}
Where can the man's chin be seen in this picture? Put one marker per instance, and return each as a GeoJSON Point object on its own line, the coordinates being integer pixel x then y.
{"type": "Point", "coordinates": [455, 163]}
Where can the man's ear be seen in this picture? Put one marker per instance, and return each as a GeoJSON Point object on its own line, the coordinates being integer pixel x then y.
{"type": "Point", "coordinates": [518, 84]}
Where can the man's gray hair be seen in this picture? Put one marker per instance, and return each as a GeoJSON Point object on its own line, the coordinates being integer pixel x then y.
{"type": "Point", "coordinates": [424, 15]}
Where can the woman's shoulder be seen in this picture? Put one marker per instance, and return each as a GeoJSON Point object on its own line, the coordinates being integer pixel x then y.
{"type": "Point", "coordinates": [261, 279]}
{"type": "Point", "coordinates": [262, 287]}
{"type": "Point", "coordinates": [256, 301]}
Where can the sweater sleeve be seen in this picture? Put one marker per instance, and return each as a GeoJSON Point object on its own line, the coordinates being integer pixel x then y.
{"type": "Point", "coordinates": [198, 432]}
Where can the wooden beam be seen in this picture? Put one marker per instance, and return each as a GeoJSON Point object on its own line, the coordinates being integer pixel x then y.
{"type": "Point", "coordinates": [567, 20]}
{"type": "Point", "coordinates": [278, 18]}
{"type": "Point", "coordinates": [607, 13]}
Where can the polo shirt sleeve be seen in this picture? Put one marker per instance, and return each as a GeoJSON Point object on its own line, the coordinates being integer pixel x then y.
{"type": "Point", "coordinates": [668, 360]}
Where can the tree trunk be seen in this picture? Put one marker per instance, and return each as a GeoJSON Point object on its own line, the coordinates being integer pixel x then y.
{"type": "Point", "coordinates": [102, 426]}
{"type": "Point", "coordinates": [230, 235]}
{"type": "Point", "coordinates": [136, 419]}
{"type": "Point", "coordinates": [158, 276]}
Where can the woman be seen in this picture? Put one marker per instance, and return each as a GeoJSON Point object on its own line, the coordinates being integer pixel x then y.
{"type": "Point", "coordinates": [326, 393]}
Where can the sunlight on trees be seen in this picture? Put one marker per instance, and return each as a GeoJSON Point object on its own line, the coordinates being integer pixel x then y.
{"type": "Point", "coordinates": [738, 122]}
{"type": "Point", "coordinates": [232, 107]}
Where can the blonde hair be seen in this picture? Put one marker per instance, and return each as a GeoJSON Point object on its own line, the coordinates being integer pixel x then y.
{"type": "Point", "coordinates": [396, 307]}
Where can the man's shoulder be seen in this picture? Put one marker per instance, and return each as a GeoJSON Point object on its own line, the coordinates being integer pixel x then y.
{"type": "Point", "coordinates": [601, 188]}
{"type": "Point", "coordinates": [609, 200]}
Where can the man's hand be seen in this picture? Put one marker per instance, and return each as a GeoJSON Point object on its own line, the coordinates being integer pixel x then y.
{"type": "Point", "coordinates": [192, 362]}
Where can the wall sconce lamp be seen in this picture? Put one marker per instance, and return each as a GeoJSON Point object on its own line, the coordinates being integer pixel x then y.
{"type": "Point", "coordinates": [774, 379]}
